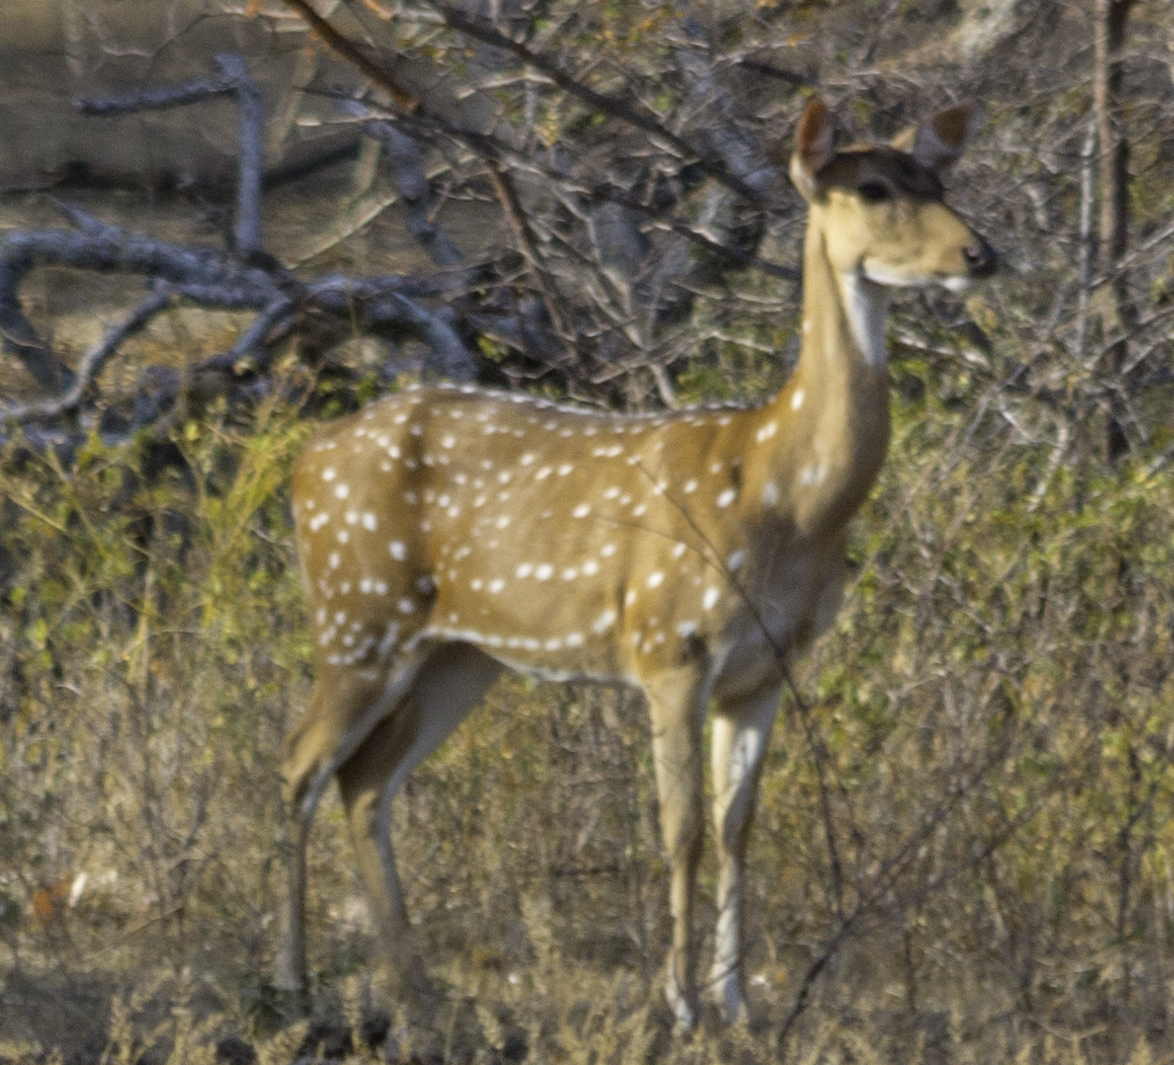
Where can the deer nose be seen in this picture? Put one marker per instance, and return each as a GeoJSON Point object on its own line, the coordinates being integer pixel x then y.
{"type": "Point", "coordinates": [981, 258]}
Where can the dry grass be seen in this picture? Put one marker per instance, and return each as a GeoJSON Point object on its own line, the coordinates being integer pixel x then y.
{"type": "Point", "coordinates": [996, 750]}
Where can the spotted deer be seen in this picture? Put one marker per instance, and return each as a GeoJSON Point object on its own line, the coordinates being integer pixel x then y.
{"type": "Point", "coordinates": [449, 533]}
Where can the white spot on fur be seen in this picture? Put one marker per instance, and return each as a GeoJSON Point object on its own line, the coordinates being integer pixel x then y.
{"type": "Point", "coordinates": [604, 622]}
{"type": "Point", "coordinates": [814, 474]}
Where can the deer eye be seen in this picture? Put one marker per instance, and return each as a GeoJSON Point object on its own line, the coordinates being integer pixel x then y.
{"type": "Point", "coordinates": [873, 191]}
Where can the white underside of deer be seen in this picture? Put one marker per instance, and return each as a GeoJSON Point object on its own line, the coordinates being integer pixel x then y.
{"type": "Point", "coordinates": [449, 533]}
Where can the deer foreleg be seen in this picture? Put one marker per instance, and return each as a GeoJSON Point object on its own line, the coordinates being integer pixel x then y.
{"type": "Point", "coordinates": [677, 718]}
{"type": "Point", "coordinates": [740, 735]}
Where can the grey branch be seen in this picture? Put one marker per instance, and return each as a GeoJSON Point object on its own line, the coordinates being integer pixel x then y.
{"type": "Point", "coordinates": [234, 80]}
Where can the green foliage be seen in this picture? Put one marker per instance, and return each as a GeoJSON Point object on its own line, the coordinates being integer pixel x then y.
{"type": "Point", "coordinates": [152, 640]}
{"type": "Point", "coordinates": [1008, 639]}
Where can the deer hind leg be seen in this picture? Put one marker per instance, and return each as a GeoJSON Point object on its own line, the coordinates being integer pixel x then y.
{"type": "Point", "coordinates": [677, 709]}
{"type": "Point", "coordinates": [451, 682]}
{"type": "Point", "coordinates": [344, 708]}
{"type": "Point", "coordinates": [741, 731]}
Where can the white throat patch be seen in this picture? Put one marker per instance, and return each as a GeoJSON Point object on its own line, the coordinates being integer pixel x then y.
{"type": "Point", "coordinates": [866, 305]}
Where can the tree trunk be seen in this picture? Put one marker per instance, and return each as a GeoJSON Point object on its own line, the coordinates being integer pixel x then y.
{"type": "Point", "coordinates": [1117, 313]}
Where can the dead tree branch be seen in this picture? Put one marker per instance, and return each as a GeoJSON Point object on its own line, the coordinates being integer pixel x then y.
{"type": "Point", "coordinates": [233, 81]}
{"type": "Point", "coordinates": [610, 252]}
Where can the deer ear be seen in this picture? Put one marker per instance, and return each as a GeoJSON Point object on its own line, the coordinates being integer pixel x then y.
{"type": "Point", "coordinates": [815, 146]}
{"type": "Point", "coordinates": [940, 140]}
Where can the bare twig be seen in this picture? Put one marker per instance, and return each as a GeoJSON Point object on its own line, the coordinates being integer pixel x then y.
{"type": "Point", "coordinates": [109, 249]}
{"type": "Point", "coordinates": [659, 217]}
{"type": "Point", "coordinates": [234, 80]}
{"type": "Point", "coordinates": [404, 99]}
{"type": "Point", "coordinates": [712, 165]}
{"type": "Point", "coordinates": [92, 362]}
{"type": "Point", "coordinates": [507, 196]}
{"type": "Point", "coordinates": [407, 163]}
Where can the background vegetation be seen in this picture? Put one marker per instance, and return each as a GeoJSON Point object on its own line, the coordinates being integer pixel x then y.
{"type": "Point", "coordinates": [964, 852]}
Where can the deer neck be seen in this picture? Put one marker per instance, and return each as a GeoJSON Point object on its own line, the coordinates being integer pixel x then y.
{"type": "Point", "coordinates": [837, 402]}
